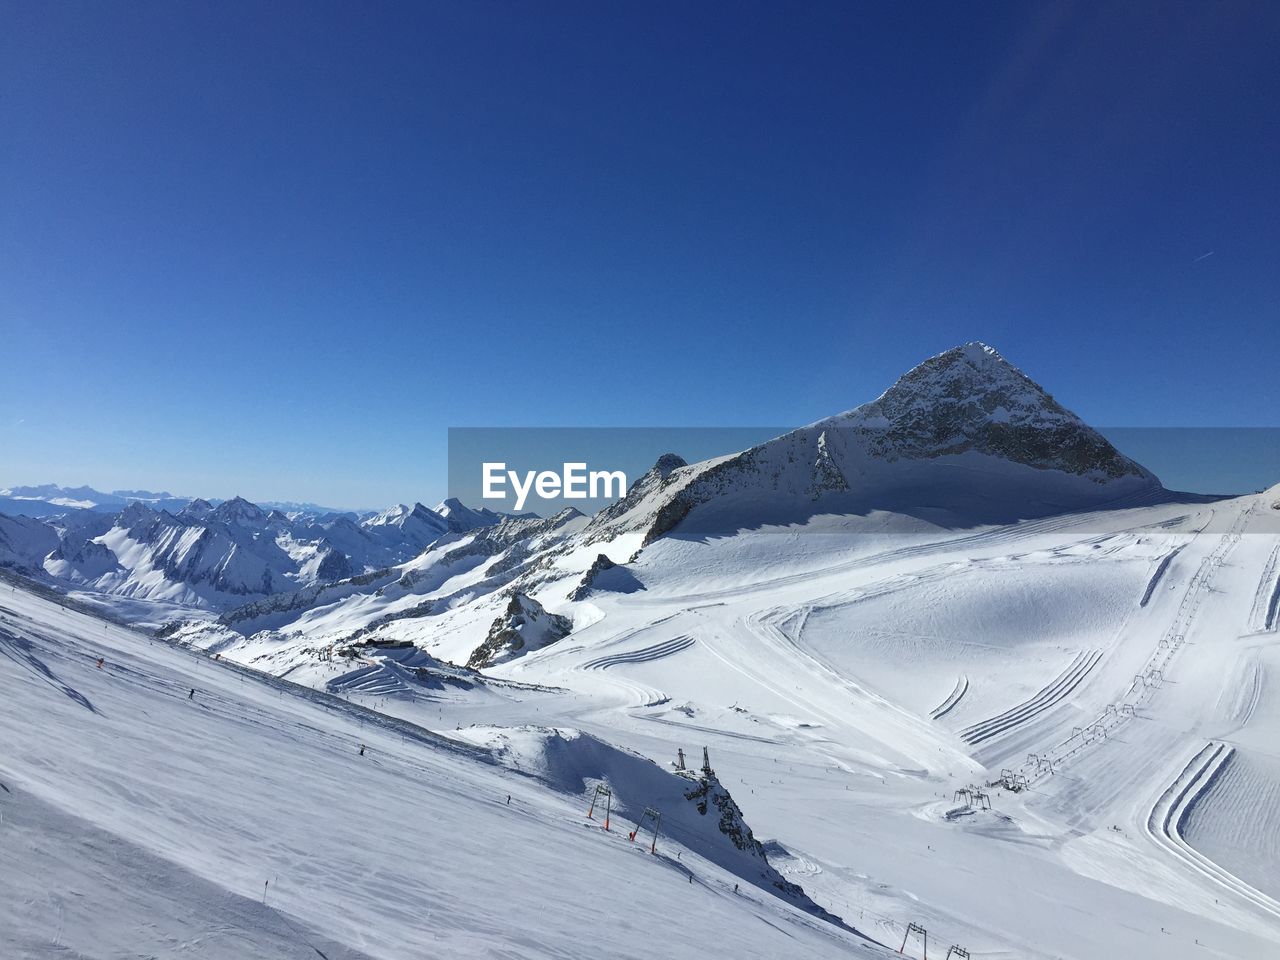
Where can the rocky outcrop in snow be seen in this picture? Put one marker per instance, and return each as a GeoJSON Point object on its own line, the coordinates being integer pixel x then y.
{"type": "Point", "coordinates": [826, 476]}
{"type": "Point", "coordinates": [697, 810]}
{"type": "Point", "coordinates": [711, 797]}
{"type": "Point", "coordinates": [523, 627]}
{"type": "Point", "coordinates": [605, 575]}
{"type": "Point", "coordinates": [598, 566]}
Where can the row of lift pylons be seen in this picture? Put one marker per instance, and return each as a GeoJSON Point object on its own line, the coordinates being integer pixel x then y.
{"type": "Point", "coordinates": [651, 817]}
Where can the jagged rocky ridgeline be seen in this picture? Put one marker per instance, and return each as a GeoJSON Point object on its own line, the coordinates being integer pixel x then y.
{"type": "Point", "coordinates": [218, 556]}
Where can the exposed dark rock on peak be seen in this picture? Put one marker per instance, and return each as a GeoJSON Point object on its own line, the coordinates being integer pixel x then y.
{"type": "Point", "coordinates": [524, 626]}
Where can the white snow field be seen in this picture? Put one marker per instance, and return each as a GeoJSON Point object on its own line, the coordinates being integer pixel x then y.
{"type": "Point", "coordinates": [244, 822]}
{"type": "Point", "coordinates": [960, 667]}
{"type": "Point", "coordinates": [1103, 656]}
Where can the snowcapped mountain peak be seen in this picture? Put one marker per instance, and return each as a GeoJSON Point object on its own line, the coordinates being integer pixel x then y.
{"type": "Point", "coordinates": [971, 370]}
{"type": "Point", "coordinates": [76, 497]}
{"type": "Point", "coordinates": [666, 463]}
{"type": "Point", "coordinates": [394, 514]}
{"type": "Point", "coordinates": [420, 525]}
{"type": "Point", "coordinates": [970, 398]}
{"type": "Point", "coordinates": [50, 499]}
{"type": "Point", "coordinates": [977, 350]}
{"type": "Point", "coordinates": [964, 437]}
{"type": "Point", "coordinates": [135, 515]}
{"type": "Point", "coordinates": [462, 518]}
{"type": "Point", "coordinates": [238, 510]}
{"type": "Point", "coordinates": [197, 509]}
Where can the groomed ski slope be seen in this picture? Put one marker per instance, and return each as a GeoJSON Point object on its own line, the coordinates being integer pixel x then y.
{"type": "Point", "coordinates": [820, 691]}
{"type": "Point", "coordinates": [1095, 653]}
{"type": "Point", "coordinates": [243, 822]}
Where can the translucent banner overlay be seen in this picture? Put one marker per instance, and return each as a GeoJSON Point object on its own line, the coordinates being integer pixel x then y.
{"type": "Point", "coordinates": [509, 460]}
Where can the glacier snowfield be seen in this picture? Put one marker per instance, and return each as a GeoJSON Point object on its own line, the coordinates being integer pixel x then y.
{"type": "Point", "coordinates": [859, 689]}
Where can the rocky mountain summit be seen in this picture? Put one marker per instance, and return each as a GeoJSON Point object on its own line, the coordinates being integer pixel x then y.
{"type": "Point", "coordinates": [965, 436]}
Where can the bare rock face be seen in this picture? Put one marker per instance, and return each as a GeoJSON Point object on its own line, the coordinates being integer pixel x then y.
{"type": "Point", "coordinates": [524, 626]}
{"type": "Point", "coordinates": [826, 476]}
{"type": "Point", "coordinates": [971, 398]}
{"type": "Point", "coordinates": [711, 797]}
{"type": "Point", "coordinates": [601, 564]}
{"type": "Point", "coordinates": [647, 486]}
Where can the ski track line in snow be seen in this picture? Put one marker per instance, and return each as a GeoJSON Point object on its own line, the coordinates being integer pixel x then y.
{"type": "Point", "coordinates": [657, 651]}
{"type": "Point", "coordinates": [764, 625]}
{"type": "Point", "coordinates": [638, 695]}
{"type": "Point", "coordinates": [1049, 696]}
{"type": "Point", "coordinates": [558, 651]}
{"type": "Point", "coordinates": [1255, 692]}
{"type": "Point", "coordinates": [1142, 689]}
{"type": "Point", "coordinates": [1156, 577]}
{"type": "Point", "coordinates": [987, 537]}
{"type": "Point", "coordinates": [1266, 602]}
{"type": "Point", "coordinates": [1170, 812]}
{"type": "Point", "coordinates": [731, 734]}
{"type": "Point", "coordinates": [287, 688]}
{"type": "Point", "coordinates": [957, 693]}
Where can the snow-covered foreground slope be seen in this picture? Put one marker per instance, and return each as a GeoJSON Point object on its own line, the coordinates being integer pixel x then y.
{"type": "Point", "coordinates": [850, 682]}
{"type": "Point", "coordinates": [140, 819]}
{"type": "Point", "coordinates": [847, 684]}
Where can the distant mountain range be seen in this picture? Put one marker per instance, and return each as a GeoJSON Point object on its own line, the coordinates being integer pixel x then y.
{"type": "Point", "coordinates": [214, 555]}
{"type": "Point", "coordinates": [962, 440]}
{"type": "Point", "coordinates": [52, 500]}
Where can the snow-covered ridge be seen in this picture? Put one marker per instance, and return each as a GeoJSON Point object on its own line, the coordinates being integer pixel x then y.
{"type": "Point", "coordinates": [203, 555]}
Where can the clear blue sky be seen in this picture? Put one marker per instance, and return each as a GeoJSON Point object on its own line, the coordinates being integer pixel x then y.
{"type": "Point", "coordinates": [277, 249]}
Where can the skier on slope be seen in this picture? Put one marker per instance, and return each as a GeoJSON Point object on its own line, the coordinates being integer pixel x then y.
{"type": "Point", "coordinates": [192, 694]}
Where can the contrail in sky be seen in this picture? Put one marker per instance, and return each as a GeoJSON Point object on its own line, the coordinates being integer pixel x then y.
{"type": "Point", "coordinates": [1203, 256]}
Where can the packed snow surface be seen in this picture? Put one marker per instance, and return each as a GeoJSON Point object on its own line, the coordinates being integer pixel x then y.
{"type": "Point", "coordinates": [168, 804]}
{"type": "Point", "coordinates": [817, 682]}
{"type": "Point", "coordinates": [957, 665]}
